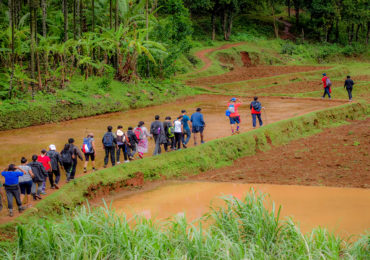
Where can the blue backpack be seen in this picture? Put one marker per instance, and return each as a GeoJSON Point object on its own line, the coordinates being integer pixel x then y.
{"type": "Point", "coordinates": [256, 106]}
{"type": "Point", "coordinates": [108, 139]}
{"type": "Point", "coordinates": [87, 146]}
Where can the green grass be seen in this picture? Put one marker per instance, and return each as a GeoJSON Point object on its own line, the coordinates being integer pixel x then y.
{"type": "Point", "coordinates": [243, 229]}
{"type": "Point", "coordinates": [87, 98]}
{"type": "Point", "coordinates": [191, 161]}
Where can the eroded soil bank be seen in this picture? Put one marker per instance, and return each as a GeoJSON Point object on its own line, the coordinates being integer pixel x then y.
{"type": "Point", "coordinates": [337, 157]}
{"type": "Point", "coordinates": [344, 211]}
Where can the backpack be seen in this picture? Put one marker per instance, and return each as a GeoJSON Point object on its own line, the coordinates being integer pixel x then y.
{"type": "Point", "coordinates": [257, 106]}
{"type": "Point", "coordinates": [66, 156]}
{"type": "Point", "coordinates": [121, 139]}
{"type": "Point", "coordinates": [158, 131]}
{"type": "Point", "coordinates": [139, 133]}
{"type": "Point", "coordinates": [108, 139]}
{"type": "Point", "coordinates": [87, 146]}
{"type": "Point", "coordinates": [231, 108]}
{"type": "Point", "coordinates": [328, 82]}
{"type": "Point", "coordinates": [171, 131]}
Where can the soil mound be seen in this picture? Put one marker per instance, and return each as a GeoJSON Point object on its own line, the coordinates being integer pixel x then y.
{"type": "Point", "coordinates": [247, 62]}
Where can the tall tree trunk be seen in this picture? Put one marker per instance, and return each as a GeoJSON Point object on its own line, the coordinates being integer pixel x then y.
{"type": "Point", "coordinates": [350, 33]}
{"type": "Point", "coordinates": [276, 28]}
{"type": "Point", "coordinates": [110, 15]}
{"type": "Point", "coordinates": [147, 32]}
{"type": "Point", "coordinates": [74, 20]}
{"type": "Point", "coordinates": [44, 16]}
{"type": "Point", "coordinates": [337, 30]}
{"type": "Point", "coordinates": [229, 24]}
{"type": "Point", "coordinates": [289, 6]}
{"type": "Point", "coordinates": [11, 4]}
{"type": "Point", "coordinates": [357, 30]}
{"type": "Point", "coordinates": [32, 7]}
{"type": "Point", "coordinates": [65, 13]}
{"type": "Point", "coordinates": [78, 21]}
{"type": "Point", "coordinates": [213, 22]}
{"type": "Point", "coordinates": [296, 9]}
{"type": "Point", "coordinates": [81, 16]}
{"type": "Point", "coordinates": [117, 19]}
{"type": "Point", "coordinates": [93, 14]}
{"type": "Point", "coordinates": [224, 24]}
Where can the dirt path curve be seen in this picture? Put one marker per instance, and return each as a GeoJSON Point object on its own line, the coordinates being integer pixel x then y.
{"type": "Point", "coordinates": [202, 55]}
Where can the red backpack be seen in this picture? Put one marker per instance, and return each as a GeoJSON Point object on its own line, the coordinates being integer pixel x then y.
{"type": "Point", "coordinates": [139, 133]}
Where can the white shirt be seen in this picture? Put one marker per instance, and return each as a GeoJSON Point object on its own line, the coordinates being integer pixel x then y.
{"type": "Point", "coordinates": [177, 125]}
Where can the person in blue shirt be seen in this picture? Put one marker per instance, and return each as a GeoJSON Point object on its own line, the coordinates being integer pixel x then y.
{"type": "Point", "coordinates": [11, 175]}
{"type": "Point", "coordinates": [185, 124]}
{"type": "Point", "coordinates": [198, 125]}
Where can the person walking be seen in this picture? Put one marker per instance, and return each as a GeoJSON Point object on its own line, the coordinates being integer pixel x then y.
{"type": "Point", "coordinates": [109, 142]}
{"type": "Point", "coordinates": [45, 160]}
{"type": "Point", "coordinates": [55, 161]}
{"type": "Point", "coordinates": [88, 149]}
{"type": "Point", "coordinates": [122, 143]}
{"type": "Point", "coordinates": [234, 116]}
{"type": "Point", "coordinates": [132, 142]}
{"type": "Point", "coordinates": [76, 154]}
{"type": "Point", "coordinates": [25, 181]}
{"type": "Point", "coordinates": [67, 160]}
{"type": "Point", "coordinates": [142, 135]}
{"type": "Point", "coordinates": [256, 108]}
{"type": "Point", "coordinates": [186, 128]}
{"type": "Point", "coordinates": [12, 187]}
{"type": "Point", "coordinates": [169, 131]}
{"type": "Point", "coordinates": [178, 132]}
{"type": "Point", "coordinates": [198, 125]}
{"type": "Point", "coordinates": [157, 130]}
{"type": "Point", "coordinates": [327, 86]}
{"type": "Point", "coordinates": [40, 175]}
{"type": "Point", "coordinates": [348, 84]}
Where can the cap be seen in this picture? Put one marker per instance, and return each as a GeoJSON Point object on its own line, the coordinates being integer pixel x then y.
{"type": "Point", "coordinates": [119, 133]}
{"type": "Point", "coordinates": [233, 99]}
{"type": "Point", "coordinates": [52, 147]}
{"type": "Point", "coordinates": [324, 74]}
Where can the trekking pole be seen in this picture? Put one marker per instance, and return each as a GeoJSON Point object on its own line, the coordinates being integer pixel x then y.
{"type": "Point", "coordinates": [265, 116]}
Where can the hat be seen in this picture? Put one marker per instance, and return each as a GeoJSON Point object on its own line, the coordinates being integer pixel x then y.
{"type": "Point", "coordinates": [183, 111]}
{"type": "Point", "coordinates": [52, 147]}
{"type": "Point", "coordinates": [119, 133]}
{"type": "Point", "coordinates": [324, 74]}
{"type": "Point", "coordinates": [91, 134]}
{"type": "Point", "coordinates": [233, 99]}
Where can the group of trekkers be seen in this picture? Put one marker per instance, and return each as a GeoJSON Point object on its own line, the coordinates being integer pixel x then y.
{"type": "Point", "coordinates": [29, 178]}
{"type": "Point", "coordinates": [348, 85]}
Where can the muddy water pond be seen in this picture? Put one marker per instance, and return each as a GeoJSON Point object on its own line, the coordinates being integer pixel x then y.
{"type": "Point", "coordinates": [344, 211]}
{"type": "Point", "coordinates": [28, 141]}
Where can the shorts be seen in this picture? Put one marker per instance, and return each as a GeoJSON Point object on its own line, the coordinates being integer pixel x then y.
{"type": "Point", "coordinates": [234, 120]}
{"type": "Point", "coordinates": [197, 129]}
{"type": "Point", "coordinates": [25, 187]}
{"type": "Point", "coordinates": [89, 155]}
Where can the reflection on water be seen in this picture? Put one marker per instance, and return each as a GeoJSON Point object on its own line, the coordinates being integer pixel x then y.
{"type": "Point", "coordinates": [343, 210]}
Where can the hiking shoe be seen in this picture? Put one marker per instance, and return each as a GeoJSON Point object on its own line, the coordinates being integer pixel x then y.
{"type": "Point", "coordinates": [203, 142]}
{"type": "Point", "coordinates": [43, 193]}
{"type": "Point", "coordinates": [21, 209]}
{"type": "Point", "coordinates": [118, 162]}
{"type": "Point", "coordinates": [10, 213]}
{"type": "Point", "coordinates": [94, 169]}
{"type": "Point", "coordinates": [56, 186]}
{"type": "Point", "coordinates": [38, 197]}
{"type": "Point", "coordinates": [105, 166]}
{"type": "Point", "coordinates": [85, 170]}
{"type": "Point", "coordinates": [184, 145]}
{"type": "Point", "coordinates": [127, 161]}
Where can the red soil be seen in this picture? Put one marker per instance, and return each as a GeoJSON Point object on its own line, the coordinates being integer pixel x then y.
{"type": "Point", "coordinates": [336, 157]}
{"type": "Point", "coordinates": [247, 73]}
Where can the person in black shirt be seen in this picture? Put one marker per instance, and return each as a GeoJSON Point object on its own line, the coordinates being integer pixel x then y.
{"type": "Point", "coordinates": [348, 84]}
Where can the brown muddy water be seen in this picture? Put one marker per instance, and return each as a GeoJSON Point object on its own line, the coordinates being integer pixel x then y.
{"type": "Point", "coordinates": [31, 140]}
{"type": "Point", "coordinates": [344, 211]}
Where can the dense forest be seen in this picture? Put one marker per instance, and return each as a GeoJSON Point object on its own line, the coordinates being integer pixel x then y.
{"type": "Point", "coordinates": [45, 43]}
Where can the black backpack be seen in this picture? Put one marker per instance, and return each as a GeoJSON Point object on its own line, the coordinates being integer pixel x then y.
{"type": "Point", "coordinates": [257, 106]}
{"type": "Point", "coordinates": [108, 139]}
{"type": "Point", "coordinates": [66, 156]}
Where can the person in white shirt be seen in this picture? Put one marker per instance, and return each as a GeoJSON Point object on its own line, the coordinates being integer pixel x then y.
{"type": "Point", "coordinates": [178, 132]}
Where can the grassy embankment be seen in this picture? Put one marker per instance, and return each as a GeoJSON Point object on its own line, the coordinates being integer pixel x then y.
{"type": "Point", "coordinates": [90, 97]}
{"type": "Point", "coordinates": [243, 229]}
{"type": "Point", "coordinates": [213, 154]}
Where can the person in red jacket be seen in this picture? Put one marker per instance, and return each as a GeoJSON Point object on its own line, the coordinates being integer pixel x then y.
{"type": "Point", "coordinates": [326, 86]}
{"type": "Point", "coordinates": [256, 108]}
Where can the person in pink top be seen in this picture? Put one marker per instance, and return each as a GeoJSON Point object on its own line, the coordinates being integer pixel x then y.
{"type": "Point", "coordinates": [327, 89]}
{"type": "Point", "coordinates": [45, 160]}
{"type": "Point", "coordinates": [234, 116]}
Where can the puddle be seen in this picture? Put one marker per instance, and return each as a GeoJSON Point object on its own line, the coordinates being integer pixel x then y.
{"type": "Point", "coordinates": [345, 211]}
